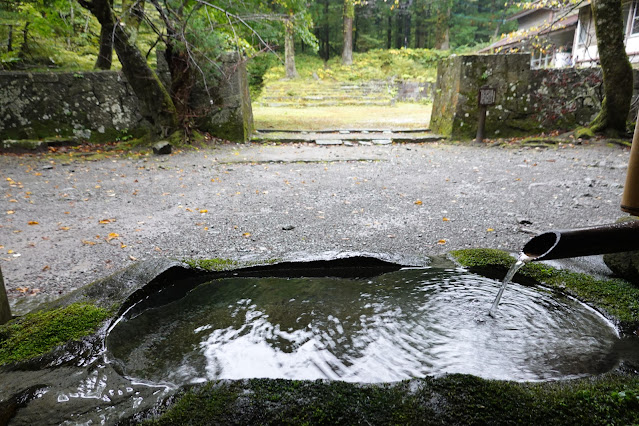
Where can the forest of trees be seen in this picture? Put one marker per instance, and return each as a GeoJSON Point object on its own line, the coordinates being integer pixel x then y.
{"type": "Point", "coordinates": [191, 34]}
{"type": "Point", "coordinates": [27, 26]}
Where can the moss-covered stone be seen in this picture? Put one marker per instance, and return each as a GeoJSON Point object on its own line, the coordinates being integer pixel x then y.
{"type": "Point", "coordinates": [37, 333]}
{"type": "Point", "coordinates": [617, 299]}
{"type": "Point", "coordinates": [584, 133]}
{"type": "Point", "coordinates": [210, 265]}
{"type": "Point", "coordinates": [453, 399]}
{"type": "Point", "coordinates": [219, 265]}
{"type": "Point", "coordinates": [624, 264]}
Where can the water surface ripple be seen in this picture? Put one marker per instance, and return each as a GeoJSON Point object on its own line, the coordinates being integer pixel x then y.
{"type": "Point", "coordinates": [400, 325]}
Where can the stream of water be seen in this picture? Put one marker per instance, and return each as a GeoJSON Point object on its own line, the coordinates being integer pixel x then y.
{"type": "Point", "coordinates": [521, 261]}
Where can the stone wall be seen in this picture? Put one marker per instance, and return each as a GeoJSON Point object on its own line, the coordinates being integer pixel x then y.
{"type": "Point", "coordinates": [455, 108]}
{"type": "Point", "coordinates": [528, 101]}
{"type": "Point", "coordinates": [101, 106]}
{"type": "Point", "coordinates": [78, 105]}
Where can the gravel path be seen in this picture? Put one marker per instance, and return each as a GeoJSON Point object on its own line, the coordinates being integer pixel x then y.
{"type": "Point", "coordinates": [65, 224]}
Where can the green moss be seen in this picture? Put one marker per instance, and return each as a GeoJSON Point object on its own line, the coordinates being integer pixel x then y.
{"type": "Point", "coordinates": [617, 298]}
{"type": "Point", "coordinates": [39, 332]}
{"type": "Point", "coordinates": [212, 265]}
{"type": "Point", "coordinates": [453, 399]}
{"type": "Point", "coordinates": [473, 258]}
{"type": "Point", "coordinates": [584, 133]}
{"type": "Point", "coordinates": [216, 265]}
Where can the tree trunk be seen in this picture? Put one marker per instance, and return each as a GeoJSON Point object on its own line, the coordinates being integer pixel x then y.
{"type": "Point", "coordinates": [132, 14]}
{"type": "Point", "coordinates": [398, 30]}
{"type": "Point", "coordinates": [407, 25]}
{"type": "Point", "coordinates": [617, 71]}
{"type": "Point", "coordinates": [420, 29]}
{"type": "Point", "coordinates": [10, 39]}
{"type": "Point", "coordinates": [155, 102]}
{"type": "Point", "coordinates": [105, 53]}
{"type": "Point", "coordinates": [289, 50]}
{"type": "Point", "coordinates": [327, 33]}
{"type": "Point", "coordinates": [389, 32]}
{"type": "Point", "coordinates": [442, 40]}
{"type": "Point", "coordinates": [349, 15]}
{"type": "Point", "coordinates": [5, 309]}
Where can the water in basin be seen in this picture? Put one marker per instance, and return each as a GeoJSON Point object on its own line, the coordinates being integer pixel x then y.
{"type": "Point", "coordinates": [400, 325]}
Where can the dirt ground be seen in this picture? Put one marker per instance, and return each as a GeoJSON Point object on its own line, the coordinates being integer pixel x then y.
{"type": "Point", "coordinates": [67, 221]}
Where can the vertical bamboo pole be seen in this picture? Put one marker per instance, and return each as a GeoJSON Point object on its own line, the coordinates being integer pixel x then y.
{"type": "Point", "coordinates": [5, 310]}
{"type": "Point", "coordinates": [630, 197]}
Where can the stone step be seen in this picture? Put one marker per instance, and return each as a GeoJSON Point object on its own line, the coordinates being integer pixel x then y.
{"type": "Point", "coordinates": [322, 104]}
{"type": "Point", "coordinates": [321, 98]}
{"type": "Point", "coordinates": [340, 138]}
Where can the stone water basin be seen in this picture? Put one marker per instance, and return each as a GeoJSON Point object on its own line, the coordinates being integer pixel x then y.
{"type": "Point", "coordinates": [367, 328]}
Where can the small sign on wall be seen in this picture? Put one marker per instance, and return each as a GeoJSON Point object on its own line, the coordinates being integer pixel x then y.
{"type": "Point", "coordinates": [487, 96]}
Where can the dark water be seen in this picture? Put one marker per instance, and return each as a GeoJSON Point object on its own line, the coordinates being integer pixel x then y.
{"type": "Point", "coordinates": [400, 325]}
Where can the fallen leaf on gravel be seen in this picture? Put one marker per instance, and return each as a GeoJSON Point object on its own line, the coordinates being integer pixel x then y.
{"type": "Point", "coordinates": [64, 228]}
{"type": "Point", "coordinates": [419, 202]}
{"type": "Point", "coordinates": [112, 236]}
{"type": "Point", "coordinates": [33, 222]}
{"type": "Point", "coordinates": [88, 243]}
{"type": "Point", "coordinates": [122, 245]}
{"type": "Point", "coordinates": [9, 251]}
{"type": "Point", "coordinates": [22, 289]}
{"type": "Point", "coordinates": [13, 201]}
{"type": "Point", "coordinates": [105, 221]}
{"type": "Point", "coordinates": [46, 268]}
{"type": "Point", "coordinates": [10, 211]}
{"type": "Point", "coordinates": [204, 211]}
{"type": "Point", "coordinates": [490, 230]}
{"type": "Point", "coordinates": [246, 234]}
{"type": "Point", "coordinates": [133, 258]}
{"type": "Point", "coordinates": [441, 242]}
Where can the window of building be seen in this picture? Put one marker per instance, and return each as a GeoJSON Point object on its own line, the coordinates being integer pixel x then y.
{"type": "Point", "coordinates": [634, 18]}
{"type": "Point", "coordinates": [584, 27]}
{"type": "Point", "coordinates": [541, 59]}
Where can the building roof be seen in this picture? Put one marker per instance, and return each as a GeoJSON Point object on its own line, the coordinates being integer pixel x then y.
{"type": "Point", "coordinates": [529, 11]}
{"type": "Point", "coordinates": [547, 28]}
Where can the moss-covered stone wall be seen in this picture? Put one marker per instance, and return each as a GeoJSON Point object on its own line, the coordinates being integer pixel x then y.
{"type": "Point", "coordinates": [101, 106]}
{"type": "Point", "coordinates": [528, 101]}
{"type": "Point", "coordinates": [79, 105]}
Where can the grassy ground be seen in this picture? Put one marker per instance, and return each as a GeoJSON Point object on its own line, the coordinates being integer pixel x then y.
{"type": "Point", "coordinates": [398, 116]}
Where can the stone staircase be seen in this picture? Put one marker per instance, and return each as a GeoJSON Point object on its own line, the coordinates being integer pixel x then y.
{"type": "Point", "coordinates": [287, 93]}
{"type": "Point", "coordinates": [346, 137]}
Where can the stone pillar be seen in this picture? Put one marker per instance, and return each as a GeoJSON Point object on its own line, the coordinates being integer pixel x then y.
{"type": "Point", "coordinates": [455, 108]}
{"type": "Point", "coordinates": [230, 115]}
{"type": "Point", "coordinates": [5, 310]}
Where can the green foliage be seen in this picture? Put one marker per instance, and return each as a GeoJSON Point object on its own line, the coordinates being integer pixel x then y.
{"type": "Point", "coordinates": [39, 332]}
{"type": "Point", "coordinates": [47, 34]}
{"type": "Point", "coordinates": [257, 68]}
{"type": "Point", "coordinates": [378, 64]}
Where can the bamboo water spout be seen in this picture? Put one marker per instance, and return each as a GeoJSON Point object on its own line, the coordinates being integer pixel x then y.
{"type": "Point", "coordinates": [560, 244]}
